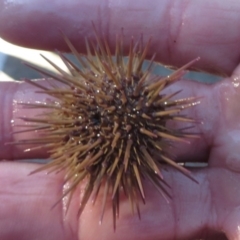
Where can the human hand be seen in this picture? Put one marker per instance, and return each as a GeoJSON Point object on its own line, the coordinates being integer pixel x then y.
{"type": "Point", "coordinates": [179, 35]}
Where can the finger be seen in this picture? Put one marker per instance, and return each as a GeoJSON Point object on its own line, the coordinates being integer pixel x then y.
{"type": "Point", "coordinates": [13, 93]}
{"type": "Point", "coordinates": [225, 195]}
{"type": "Point", "coordinates": [26, 201]}
{"type": "Point", "coordinates": [181, 30]}
{"type": "Point", "coordinates": [189, 215]}
{"type": "Point", "coordinates": [225, 150]}
{"type": "Point", "coordinates": [25, 205]}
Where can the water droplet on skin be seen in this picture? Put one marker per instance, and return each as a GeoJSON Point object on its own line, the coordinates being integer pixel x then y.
{"type": "Point", "coordinates": [65, 200]}
{"type": "Point", "coordinates": [235, 81]}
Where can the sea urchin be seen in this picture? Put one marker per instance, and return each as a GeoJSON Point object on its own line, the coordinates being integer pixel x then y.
{"type": "Point", "coordinates": [106, 119]}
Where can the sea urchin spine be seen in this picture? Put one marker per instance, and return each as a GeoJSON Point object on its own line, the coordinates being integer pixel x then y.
{"type": "Point", "coordinates": [106, 119]}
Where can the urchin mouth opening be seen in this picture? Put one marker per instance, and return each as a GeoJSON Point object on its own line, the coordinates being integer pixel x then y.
{"type": "Point", "coordinates": [96, 118]}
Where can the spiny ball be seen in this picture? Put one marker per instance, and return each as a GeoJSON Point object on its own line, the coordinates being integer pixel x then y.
{"type": "Point", "coordinates": [107, 117]}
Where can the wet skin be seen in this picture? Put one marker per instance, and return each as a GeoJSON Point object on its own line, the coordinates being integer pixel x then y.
{"type": "Point", "coordinates": [181, 31]}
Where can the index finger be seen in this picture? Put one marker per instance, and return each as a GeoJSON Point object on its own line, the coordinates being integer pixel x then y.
{"type": "Point", "coordinates": [181, 30]}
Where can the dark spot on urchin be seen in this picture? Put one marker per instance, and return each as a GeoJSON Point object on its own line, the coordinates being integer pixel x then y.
{"type": "Point", "coordinates": [96, 118]}
{"type": "Point", "coordinates": [110, 117]}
